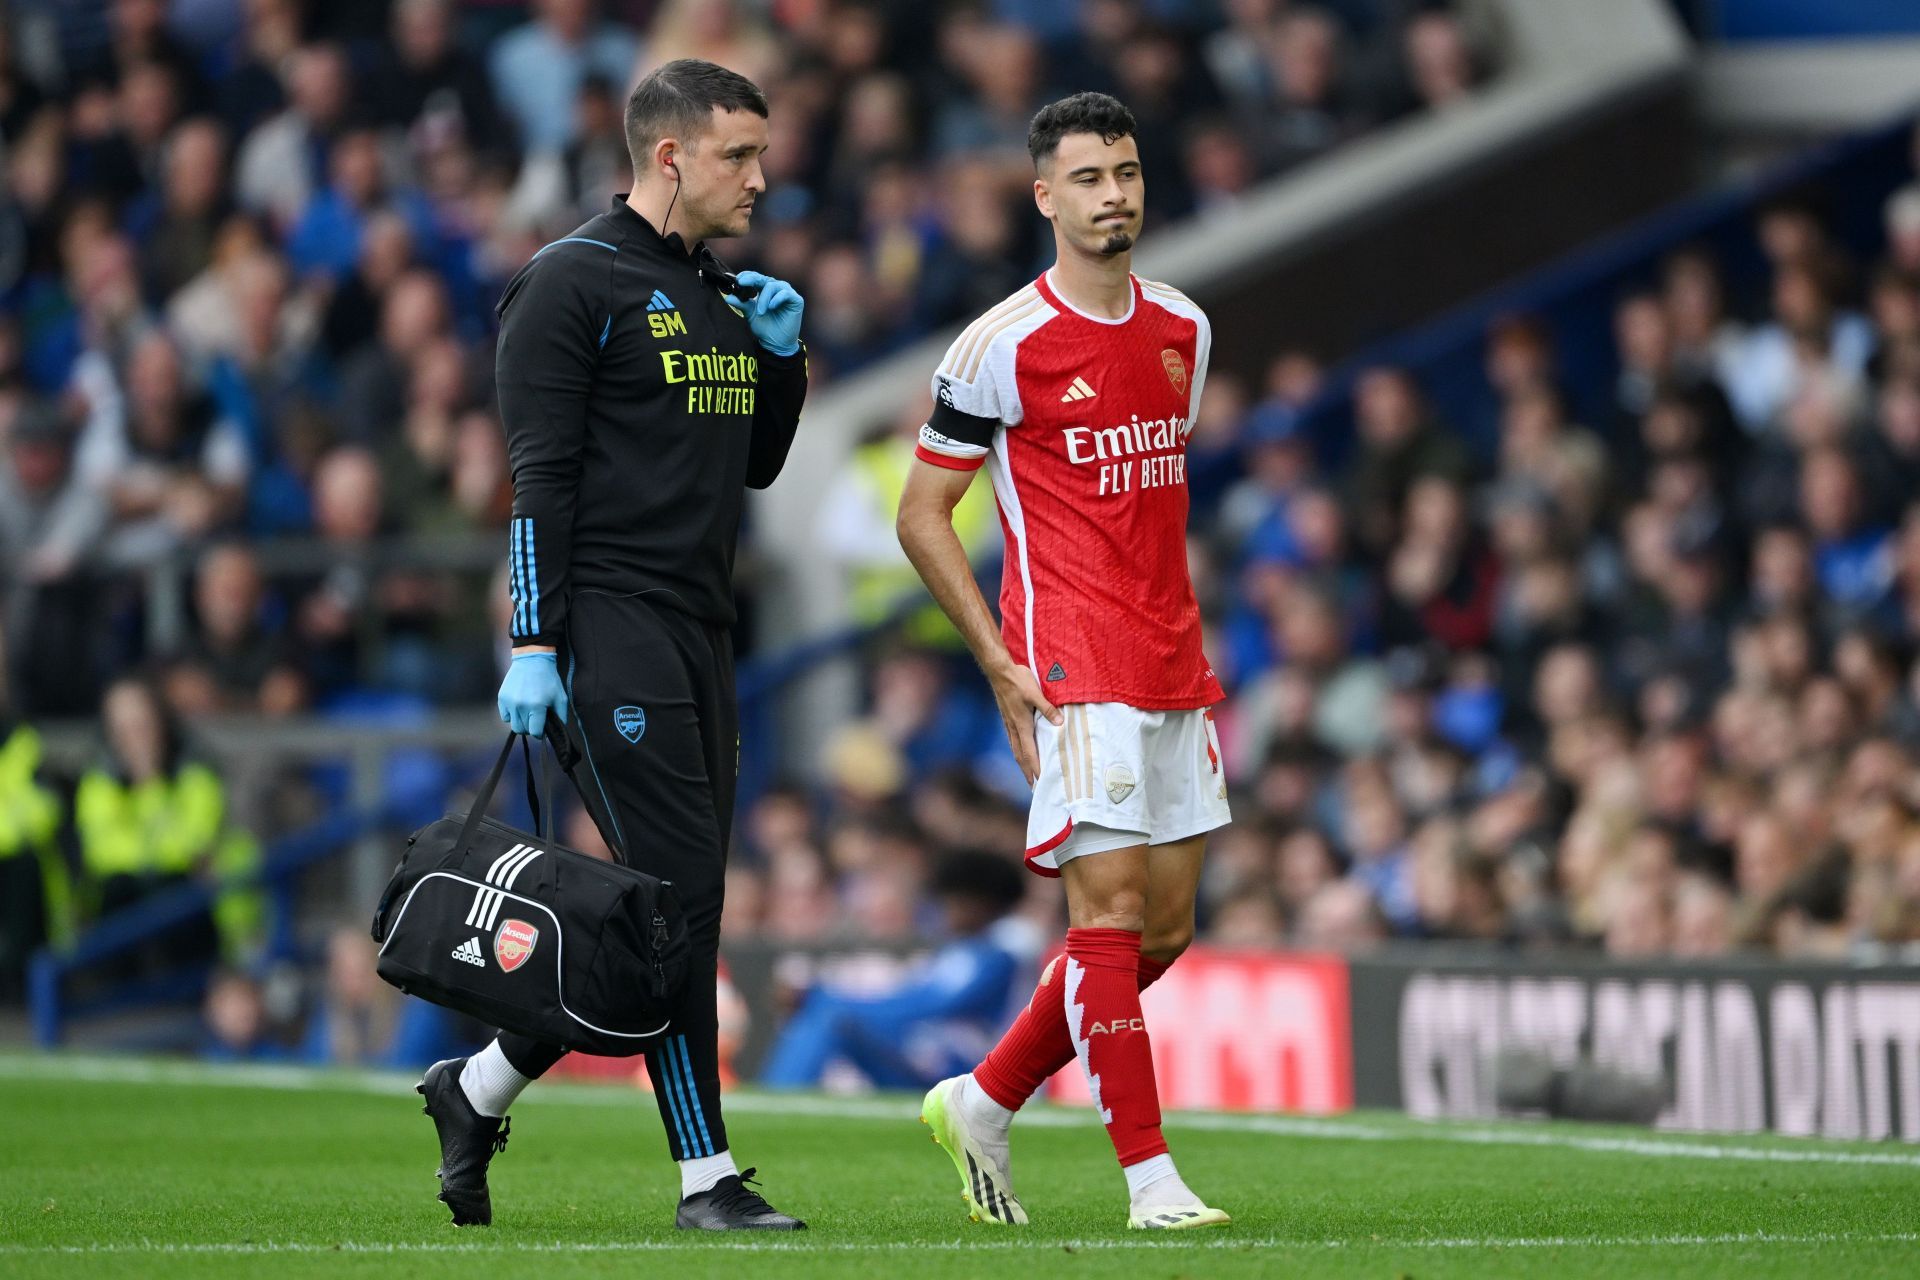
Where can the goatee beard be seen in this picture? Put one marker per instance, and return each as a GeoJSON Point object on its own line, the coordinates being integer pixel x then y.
{"type": "Point", "coordinates": [1118, 242]}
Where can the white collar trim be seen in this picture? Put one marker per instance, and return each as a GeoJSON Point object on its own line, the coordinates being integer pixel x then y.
{"type": "Point", "coordinates": [1133, 300]}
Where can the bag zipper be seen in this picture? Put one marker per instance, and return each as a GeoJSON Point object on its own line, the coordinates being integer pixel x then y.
{"type": "Point", "coordinates": [659, 946]}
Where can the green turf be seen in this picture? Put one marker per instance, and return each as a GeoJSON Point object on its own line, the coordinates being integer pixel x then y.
{"type": "Point", "coordinates": [117, 1169]}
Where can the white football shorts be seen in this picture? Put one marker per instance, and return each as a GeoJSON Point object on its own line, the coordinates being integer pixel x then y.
{"type": "Point", "coordinates": [1112, 776]}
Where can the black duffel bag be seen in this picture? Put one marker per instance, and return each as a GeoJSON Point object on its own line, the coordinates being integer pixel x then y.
{"type": "Point", "coordinates": [529, 936]}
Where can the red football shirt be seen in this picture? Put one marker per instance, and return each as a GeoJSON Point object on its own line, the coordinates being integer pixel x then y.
{"type": "Point", "coordinates": [1082, 423]}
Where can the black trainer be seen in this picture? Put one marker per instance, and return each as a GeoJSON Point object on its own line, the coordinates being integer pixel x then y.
{"type": "Point", "coordinates": [467, 1143]}
{"type": "Point", "coordinates": [732, 1205]}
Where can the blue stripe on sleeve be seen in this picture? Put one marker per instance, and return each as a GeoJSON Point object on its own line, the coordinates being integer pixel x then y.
{"type": "Point", "coordinates": [533, 581]}
{"type": "Point", "coordinates": [526, 583]}
{"type": "Point", "coordinates": [513, 572]}
{"type": "Point", "coordinates": [577, 240]}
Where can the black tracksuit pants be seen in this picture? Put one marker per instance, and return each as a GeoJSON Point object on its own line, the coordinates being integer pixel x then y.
{"type": "Point", "coordinates": [654, 715]}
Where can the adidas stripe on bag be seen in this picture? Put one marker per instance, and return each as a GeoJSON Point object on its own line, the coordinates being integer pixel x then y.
{"type": "Point", "coordinates": [505, 870]}
{"type": "Point", "coordinates": [528, 935]}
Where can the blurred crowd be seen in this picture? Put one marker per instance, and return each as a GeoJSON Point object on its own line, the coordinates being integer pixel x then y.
{"type": "Point", "coordinates": [250, 461]}
{"type": "Point", "coordinates": [1639, 673]}
{"type": "Point", "coordinates": [338, 1012]}
{"type": "Point", "coordinates": [145, 816]}
{"type": "Point", "coordinates": [1636, 672]}
{"type": "Point", "coordinates": [249, 251]}
{"type": "Point", "coordinates": [1643, 677]}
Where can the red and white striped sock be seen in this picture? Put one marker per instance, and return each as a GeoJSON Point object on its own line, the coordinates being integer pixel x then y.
{"type": "Point", "coordinates": [1110, 1038]}
{"type": "Point", "coordinates": [1037, 1044]}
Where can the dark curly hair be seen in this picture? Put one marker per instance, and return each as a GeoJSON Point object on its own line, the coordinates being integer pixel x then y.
{"type": "Point", "coordinates": [1082, 113]}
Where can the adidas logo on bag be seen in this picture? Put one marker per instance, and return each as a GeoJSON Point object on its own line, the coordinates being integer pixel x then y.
{"type": "Point", "coordinates": [469, 951]}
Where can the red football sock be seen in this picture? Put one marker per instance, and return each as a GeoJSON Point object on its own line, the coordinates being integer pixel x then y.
{"type": "Point", "coordinates": [1110, 1037]}
{"type": "Point", "coordinates": [1037, 1044]}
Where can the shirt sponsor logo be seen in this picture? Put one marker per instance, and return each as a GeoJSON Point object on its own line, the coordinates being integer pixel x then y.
{"type": "Point", "coordinates": [717, 382]}
{"type": "Point", "coordinates": [1117, 449]}
{"type": "Point", "coordinates": [1105, 444]}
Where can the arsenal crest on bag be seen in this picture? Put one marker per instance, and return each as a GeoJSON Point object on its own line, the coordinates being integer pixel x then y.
{"type": "Point", "coordinates": [530, 936]}
{"type": "Point", "coordinates": [514, 943]}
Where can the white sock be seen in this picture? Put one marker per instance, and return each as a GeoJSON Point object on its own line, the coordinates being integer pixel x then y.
{"type": "Point", "coordinates": [990, 1123]}
{"type": "Point", "coordinates": [1154, 1181]}
{"type": "Point", "coordinates": [979, 1109]}
{"type": "Point", "coordinates": [490, 1082]}
{"type": "Point", "coordinates": [703, 1173]}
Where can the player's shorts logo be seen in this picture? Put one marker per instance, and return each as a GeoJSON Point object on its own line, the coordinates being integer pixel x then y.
{"type": "Point", "coordinates": [1120, 782]}
{"type": "Point", "coordinates": [1176, 369]}
{"type": "Point", "coordinates": [514, 943]}
{"type": "Point", "coordinates": [630, 722]}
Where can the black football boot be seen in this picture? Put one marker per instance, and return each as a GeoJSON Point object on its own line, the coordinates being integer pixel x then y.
{"type": "Point", "coordinates": [732, 1205]}
{"type": "Point", "coordinates": [467, 1143]}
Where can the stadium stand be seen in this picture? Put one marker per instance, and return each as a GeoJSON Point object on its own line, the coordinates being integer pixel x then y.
{"type": "Point", "coordinates": [1582, 616]}
{"type": "Point", "coordinates": [247, 260]}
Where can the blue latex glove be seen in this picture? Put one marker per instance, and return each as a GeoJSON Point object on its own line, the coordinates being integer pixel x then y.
{"type": "Point", "coordinates": [532, 688]}
{"type": "Point", "coordinates": [773, 314]}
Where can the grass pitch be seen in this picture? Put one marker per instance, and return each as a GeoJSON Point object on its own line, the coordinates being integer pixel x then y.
{"type": "Point", "coordinates": [115, 1168]}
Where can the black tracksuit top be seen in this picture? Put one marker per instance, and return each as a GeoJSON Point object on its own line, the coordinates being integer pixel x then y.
{"type": "Point", "coordinates": [638, 408]}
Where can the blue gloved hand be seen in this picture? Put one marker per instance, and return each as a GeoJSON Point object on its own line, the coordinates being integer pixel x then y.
{"type": "Point", "coordinates": [532, 688]}
{"type": "Point", "coordinates": [774, 313]}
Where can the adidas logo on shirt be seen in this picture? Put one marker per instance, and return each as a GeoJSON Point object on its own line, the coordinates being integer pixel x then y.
{"type": "Point", "coordinates": [469, 952]}
{"type": "Point", "coordinates": [663, 320]}
{"type": "Point", "coordinates": [1079, 390]}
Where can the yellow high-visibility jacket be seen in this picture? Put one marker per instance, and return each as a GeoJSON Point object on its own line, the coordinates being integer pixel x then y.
{"type": "Point", "coordinates": [163, 826]}
{"type": "Point", "coordinates": [882, 467]}
{"type": "Point", "coordinates": [172, 826]}
{"type": "Point", "coordinates": [30, 826]}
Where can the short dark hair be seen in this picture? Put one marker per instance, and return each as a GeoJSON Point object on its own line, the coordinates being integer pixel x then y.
{"type": "Point", "coordinates": [678, 98]}
{"type": "Point", "coordinates": [1082, 113]}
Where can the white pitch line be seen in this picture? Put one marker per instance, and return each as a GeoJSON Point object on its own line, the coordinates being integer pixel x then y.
{"type": "Point", "coordinates": [389, 1084]}
{"type": "Point", "coordinates": [1181, 1242]}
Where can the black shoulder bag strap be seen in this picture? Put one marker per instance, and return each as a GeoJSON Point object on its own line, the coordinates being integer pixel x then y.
{"type": "Point", "coordinates": [484, 797]}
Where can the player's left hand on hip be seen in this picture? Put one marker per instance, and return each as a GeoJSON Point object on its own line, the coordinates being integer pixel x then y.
{"type": "Point", "coordinates": [774, 313]}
